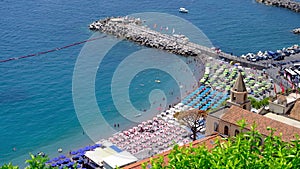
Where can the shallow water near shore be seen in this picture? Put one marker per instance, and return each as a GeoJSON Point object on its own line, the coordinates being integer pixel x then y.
{"type": "Point", "coordinates": [36, 102]}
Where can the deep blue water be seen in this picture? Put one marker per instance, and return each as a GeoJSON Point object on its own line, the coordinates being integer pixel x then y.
{"type": "Point", "coordinates": [36, 104]}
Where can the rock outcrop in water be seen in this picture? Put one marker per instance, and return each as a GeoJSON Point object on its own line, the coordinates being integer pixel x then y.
{"type": "Point", "coordinates": [289, 4]}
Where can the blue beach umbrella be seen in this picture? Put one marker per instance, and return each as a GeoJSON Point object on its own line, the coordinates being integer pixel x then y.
{"type": "Point", "coordinates": [66, 161]}
{"type": "Point", "coordinates": [59, 162]}
{"type": "Point", "coordinates": [76, 157]}
{"type": "Point", "coordinates": [53, 165]}
{"type": "Point", "coordinates": [74, 152]}
{"type": "Point", "coordinates": [94, 146]}
{"type": "Point", "coordinates": [80, 150]}
{"type": "Point", "coordinates": [55, 159]}
{"type": "Point", "coordinates": [98, 145]}
{"type": "Point", "coordinates": [70, 164]}
{"type": "Point", "coordinates": [87, 148]}
{"type": "Point", "coordinates": [62, 156]}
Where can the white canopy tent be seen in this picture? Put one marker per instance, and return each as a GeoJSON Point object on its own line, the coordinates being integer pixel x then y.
{"type": "Point", "coordinates": [119, 160]}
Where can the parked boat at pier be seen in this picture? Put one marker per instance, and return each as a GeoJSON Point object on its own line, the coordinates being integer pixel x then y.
{"type": "Point", "coordinates": [277, 55]}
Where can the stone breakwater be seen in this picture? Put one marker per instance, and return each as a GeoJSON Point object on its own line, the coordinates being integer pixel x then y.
{"type": "Point", "coordinates": [133, 30]}
{"type": "Point", "coordinates": [296, 31]}
{"type": "Point", "coordinates": [289, 4]}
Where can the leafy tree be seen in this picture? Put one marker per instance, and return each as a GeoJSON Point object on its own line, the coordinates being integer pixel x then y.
{"type": "Point", "coordinates": [191, 119]}
{"type": "Point", "coordinates": [246, 150]}
{"type": "Point", "coordinates": [258, 104]}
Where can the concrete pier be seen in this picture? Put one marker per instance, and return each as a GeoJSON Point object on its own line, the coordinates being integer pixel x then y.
{"type": "Point", "coordinates": [133, 29]}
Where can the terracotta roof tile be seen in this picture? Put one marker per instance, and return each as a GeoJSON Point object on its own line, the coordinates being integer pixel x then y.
{"type": "Point", "coordinates": [207, 141]}
{"type": "Point", "coordinates": [235, 114]}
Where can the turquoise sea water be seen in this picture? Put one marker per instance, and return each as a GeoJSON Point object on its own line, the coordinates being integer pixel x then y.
{"type": "Point", "coordinates": [36, 105]}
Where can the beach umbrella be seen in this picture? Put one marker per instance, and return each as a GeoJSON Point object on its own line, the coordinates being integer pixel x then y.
{"type": "Point", "coordinates": [70, 164]}
{"type": "Point", "coordinates": [126, 132]}
{"type": "Point", "coordinates": [62, 156]}
{"type": "Point", "coordinates": [55, 159]}
{"type": "Point", "coordinates": [73, 152]}
{"type": "Point", "coordinates": [59, 162]}
{"type": "Point", "coordinates": [116, 137]}
{"type": "Point", "coordinates": [80, 161]}
{"type": "Point", "coordinates": [144, 123]}
{"type": "Point", "coordinates": [66, 161]}
{"type": "Point", "coordinates": [53, 165]}
{"type": "Point", "coordinates": [75, 157]}
{"type": "Point", "coordinates": [135, 128]}
{"type": "Point", "coordinates": [131, 130]}
{"type": "Point", "coordinates": [154, 141]}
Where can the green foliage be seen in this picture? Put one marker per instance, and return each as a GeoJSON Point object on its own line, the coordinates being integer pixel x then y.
{"type": "Point", "coordinates": [258, 104]}
{"type": "Point", "coordinates": [37, 162]}
{"type": "Point", "coordinates": [246, 150]}
{"type": "Point", "coordinates": [9, 166]}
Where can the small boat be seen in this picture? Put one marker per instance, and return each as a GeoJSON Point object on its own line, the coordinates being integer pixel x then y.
{"type": "Point", "coordinates": [183, 10]}
{"type": "Point", "coordinates": [157, 81]}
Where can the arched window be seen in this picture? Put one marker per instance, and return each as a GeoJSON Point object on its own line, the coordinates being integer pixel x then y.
{"type": "Point", "coordinates": [216, 126]}
{"type": "Point", "coordinates": [236, 132]}
{"type": "Point", "coordinates": [244, 107]}
{"type": "Point", "coordinates": [233, 97]}
{"type": "Point", "coordinates": [226, 130]}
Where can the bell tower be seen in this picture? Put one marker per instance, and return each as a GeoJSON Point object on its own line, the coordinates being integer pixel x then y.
{"type": "Point", "coordinates": [239, 95]}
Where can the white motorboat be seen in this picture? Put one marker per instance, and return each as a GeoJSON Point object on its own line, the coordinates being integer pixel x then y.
{"type": "Point", "coordinates": [183, 10]}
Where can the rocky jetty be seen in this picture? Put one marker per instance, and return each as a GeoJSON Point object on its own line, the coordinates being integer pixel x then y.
{"type": "Point", "coordinates": [133, 30]}
{"type": "Point", "coordinates": [296, 31]}
{"type": "Point", "coordinates": [289, 4]}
